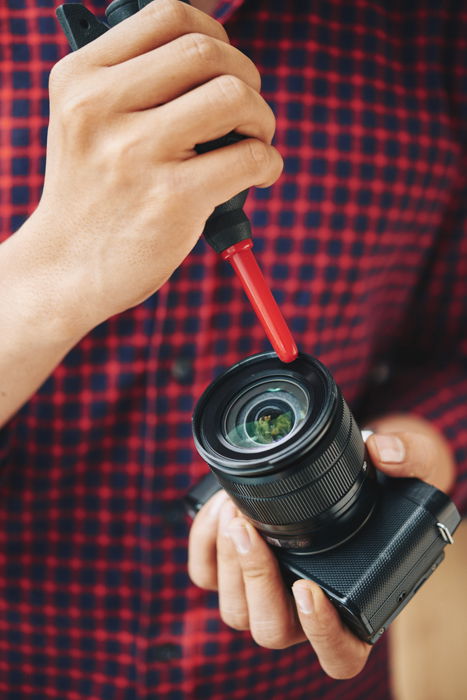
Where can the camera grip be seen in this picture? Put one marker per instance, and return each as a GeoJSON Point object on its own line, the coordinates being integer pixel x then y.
{"type": "Point", "coordinates": [201, 493]}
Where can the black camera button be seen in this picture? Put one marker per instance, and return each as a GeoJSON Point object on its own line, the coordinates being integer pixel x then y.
{"type": "Point", "coordinates": [173, 512]}
{"type": "Point", "coordinates": [380, 373]}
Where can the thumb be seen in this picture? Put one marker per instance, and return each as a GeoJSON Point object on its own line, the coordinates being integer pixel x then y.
{"type": "Point", "coordinates": [413, 454]}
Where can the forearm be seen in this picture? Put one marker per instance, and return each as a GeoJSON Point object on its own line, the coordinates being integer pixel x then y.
{"type": "Point", "coordinates": [104, 238]}
{"type": "Point", "coordinates": [36, 329]}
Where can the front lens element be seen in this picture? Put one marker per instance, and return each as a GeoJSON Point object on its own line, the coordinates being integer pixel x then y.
{"type": "Point", "coordinates": [265, 413]}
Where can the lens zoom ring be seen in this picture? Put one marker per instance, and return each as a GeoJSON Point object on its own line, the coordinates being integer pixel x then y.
{"type": "Point", "coordinates": [315, 497]}
{"type": "Point", "coordinates": [298, 478]}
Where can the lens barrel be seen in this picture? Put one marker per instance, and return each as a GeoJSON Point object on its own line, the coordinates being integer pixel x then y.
{"type": "Point", "coordinates": [283, 443]}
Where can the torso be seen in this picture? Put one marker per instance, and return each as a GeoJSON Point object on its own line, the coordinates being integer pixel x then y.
{"type": "Point", "coordinates": [92, 531]}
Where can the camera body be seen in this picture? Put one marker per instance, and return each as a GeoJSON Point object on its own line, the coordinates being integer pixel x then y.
{"type": "Point", "coordinates": [371, 544]}
{"type": "Point", "coordinates": [372, 576]}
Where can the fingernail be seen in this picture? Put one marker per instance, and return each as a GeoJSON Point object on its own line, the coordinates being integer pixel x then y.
{"type": "Point", "coordinates": [304, 598]}
{"type": "Point", "coordinates": [216, 504]}
{"type": "Point", "coordinates": [390, 448]}
{"type": "Point", "coordinates": [238, 531]}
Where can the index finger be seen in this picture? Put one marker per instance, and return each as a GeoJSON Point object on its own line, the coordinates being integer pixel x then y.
{"type": "Point", "coordinates": [340, 653]}
{"type": "Point", "coordinates": [273, 622]}
{"type": "Point", "coordinates": [156, 24]}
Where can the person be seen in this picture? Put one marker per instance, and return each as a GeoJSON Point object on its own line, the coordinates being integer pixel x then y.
{"type": "Point", "coordinates": [362, 238]}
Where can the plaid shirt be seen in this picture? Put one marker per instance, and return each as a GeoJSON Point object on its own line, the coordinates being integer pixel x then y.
{"type": "Point", "coordinates": [363, 242]}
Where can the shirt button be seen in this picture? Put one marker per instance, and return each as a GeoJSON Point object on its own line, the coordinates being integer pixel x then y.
{"type": "Point", "coordinates": [173, 512]}
{"type": "Point", "coordinates": [182, 370]}
{"type": "Point", "coordinates": [166, 652]}
{"type": "Point", "coordinates": [379, 374]}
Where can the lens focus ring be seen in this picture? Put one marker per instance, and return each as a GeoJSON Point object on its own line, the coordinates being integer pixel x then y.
{"type": "Point", "coordinates": [296, 478]}
{"type": "Point", "coordinates": [309, 489]}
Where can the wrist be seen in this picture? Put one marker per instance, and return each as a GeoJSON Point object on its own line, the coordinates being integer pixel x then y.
{"type": "Point", "coordinates": [40, 298]}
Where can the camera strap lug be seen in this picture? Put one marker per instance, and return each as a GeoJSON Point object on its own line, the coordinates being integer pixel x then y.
{"type": "Point", "coordinates": [445, 534]}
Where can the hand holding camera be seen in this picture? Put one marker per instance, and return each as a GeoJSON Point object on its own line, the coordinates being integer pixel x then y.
{"type": "Point", "coordinates": [368, 546]}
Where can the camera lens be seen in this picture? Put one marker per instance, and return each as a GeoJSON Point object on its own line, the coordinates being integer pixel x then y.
{"type": "Point", "coordinates": [283, 443]}
{"type": "Point", "coordinates": [265, 413]}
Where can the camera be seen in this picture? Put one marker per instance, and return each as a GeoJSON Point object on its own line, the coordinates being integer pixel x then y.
{"type": "Point", "coordinates": [281, 440]}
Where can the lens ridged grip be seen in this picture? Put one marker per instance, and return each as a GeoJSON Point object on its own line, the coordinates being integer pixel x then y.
{"type": "Point", "coordinates": [311, 487]}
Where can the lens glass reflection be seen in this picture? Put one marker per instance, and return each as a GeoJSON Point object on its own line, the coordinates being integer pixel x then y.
{"type": "Point", "coordinates": [266, 413]}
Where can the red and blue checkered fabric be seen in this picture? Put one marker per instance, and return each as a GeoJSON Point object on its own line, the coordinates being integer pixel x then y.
{"type": "Point", "coordinates": [363, 241]}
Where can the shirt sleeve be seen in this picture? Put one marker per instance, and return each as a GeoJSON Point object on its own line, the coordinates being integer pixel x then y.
{"type": "Point", "coordinates": [429, 374]}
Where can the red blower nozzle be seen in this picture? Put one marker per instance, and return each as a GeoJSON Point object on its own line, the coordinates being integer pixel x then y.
{"type": "Point", "coordinates": [241, 257]}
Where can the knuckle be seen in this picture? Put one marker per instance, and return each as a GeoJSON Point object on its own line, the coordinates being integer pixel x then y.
{"type": "Point", "coordinates": [225, 551]}
{"type": "Point", "coordinates": [237, 619]}
{"type": "Point", "coordinates": [122, 156]}
{"type": "Point", "coordinates": [232, 90]}
{"type": "Point", "coordinates": [257, 157]}
{"type": "Point", "coordinates": [424, 454]}
{"type": "Point", "coordinates": [55, 76]}
{"type": "Point", "coordinates": [206, 584]}
{"type": "Point", "coordinates": [255, 76]}
{"type": "Point", "coordinates": [270, 122]}
{"type": "Point", "coordinates": [60, 72]}
{"type": "Point", "coordinates": [274, 168]}
{"type": "Point", "coordinates": [201, 47]}
{"type": "Point", "coordinates": [202, 579]}
{"type": "Point", "coordinates": [320, 638]}
{"type": "Point", "coordinates": [324, 637]}
{"type": "Point", "coordinates": [271, 642]}
{"type": "Point", "coordinates": [255, 572]}
{"type": "Point", "coordinates": [348, 671]}
{"type": "Point", "coordinates": [177, 181]}
{"type": "Point", "coordinates": [171, 12]}
{"type": "Point", "coordinates": [77, 107]}
{"type": "Point", "coordinates": [270, 638]}
{"type": "Point", "coordinates": [278, 164]}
